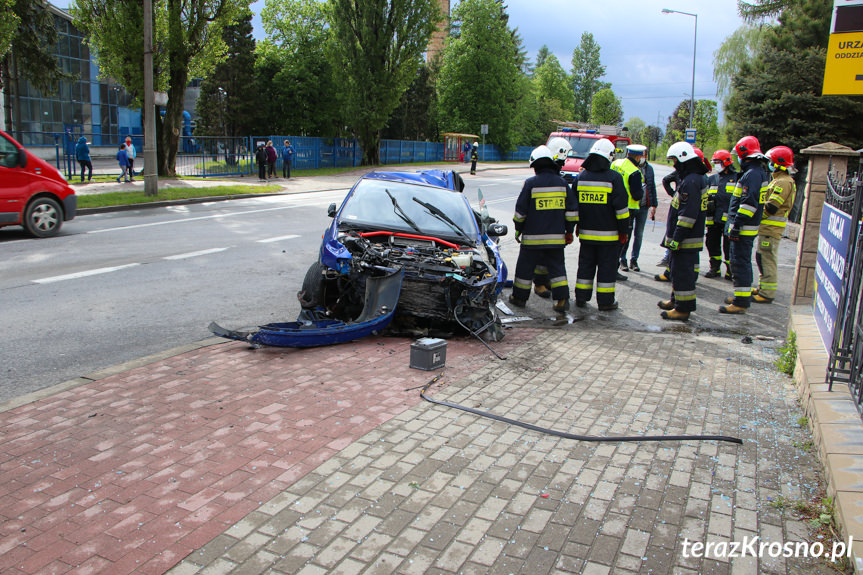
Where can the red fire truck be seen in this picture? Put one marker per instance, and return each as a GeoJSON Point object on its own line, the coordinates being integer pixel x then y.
{"type": "Point", "coordinates": [581, 137]}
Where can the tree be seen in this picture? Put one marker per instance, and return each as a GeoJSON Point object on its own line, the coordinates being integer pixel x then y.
{"type": "Point", "coordinates": [379, 44]}
{"type": "Point", "coordinates": [225, 105]}
{"type": "Point", "coordinates": [416, 116]}
{"type": "Point", "coordinates": [705, 119]}
{"type": "Point", "coordinates": [551, 81]}
{"type": "Point", "coordinates": [32, 56]}
{"type": "Point", "coordinates": [738, 49]}
{"type": "Point", "coordinates": [8, 26]}
{"type": "Point", "coordinates": [777, 97]}
{"type": "Point", "coordinates": [587, 69]}
{"type": "Point", "coordinates": [650, 137]}
{"type": "Point", "coordinates": [480, 79]}
{"type": "Point", "coordinates": [605, 108]}
{"type": "Point", "coordinates": [541, 55]}
{"type": "Point", "coordinates": [187, 35]}
{"type": "Point", "coordinates": [636, 128]}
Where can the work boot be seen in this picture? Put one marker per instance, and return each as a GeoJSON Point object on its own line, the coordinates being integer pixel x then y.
{"type": "Point", "coordinates": [580, 303]}
{"type": "Point", "coordinates": [732, 309]}
{"type": "Point", "coordinates": [623, 266]}
{"type": "Point", "coordinates": [665, 304]}
{"type": "Point", "coordinates": [517, 302]}
{"type": "Point", "coordinates": [758, 298]}
{"type": "Point", "coordinates": [609, 307]}
{"type": "Point", "coordinates": [542, 291]}
{"type": "Point", "coordinates": [621, 277]}
{"type": "Point", "coordinates": [633, 265]}
{"type": "Point", "coordinates": [561, 305]}
{"type": "Point", "coordinates": [663, 277]}
{"type": "Point", "coordinates": [675, 315]}
{"type": "Point", "coordinates": [713, 273]}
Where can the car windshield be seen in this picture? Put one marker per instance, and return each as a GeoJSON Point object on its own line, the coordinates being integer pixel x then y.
{"type": "Point", "coordinates": [410, 208]}
{"type": "Point", "coordinates": [580, 146]}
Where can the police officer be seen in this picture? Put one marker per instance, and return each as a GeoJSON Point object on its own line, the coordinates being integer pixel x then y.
{"type": "Point", "coordinates": [603, 221]}
{"type": "Point", "coordinates": [474, 156]}
{"type": "Point", "coordinates": [718, 199]}
{"type": "Point", "coordinates": [545, 216]}
{"type": "Point", "coordinates": [560, 149]}
{"type": "Point", "coordinates": [780, 199]}
{"type": "Point", "coordinates": [744, 218]}
{"type": "Point", "coordinates": [628, 168]}
{"type": "Point", "coordinates": [684, 235]}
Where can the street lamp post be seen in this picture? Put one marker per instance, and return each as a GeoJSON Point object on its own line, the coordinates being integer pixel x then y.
{"type": "Point", "coordinates": [694, 42]}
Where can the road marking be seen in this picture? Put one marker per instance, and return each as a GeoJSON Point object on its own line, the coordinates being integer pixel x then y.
{"type": "Point", "coordinates": [278, 239]}
{"type": "Point", "coordinates": [195, 254]}
{"type": "Point", "coordinates": [83, 274]}
{"type": "Point", "coordinates": [184, 220]}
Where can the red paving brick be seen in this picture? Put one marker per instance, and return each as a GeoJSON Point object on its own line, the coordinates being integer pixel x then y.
{"type": "Point", "coordinates": [131, 473]}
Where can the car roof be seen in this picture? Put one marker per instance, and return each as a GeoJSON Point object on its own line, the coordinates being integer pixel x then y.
{"type": "Point", "coordinates": [437, 178]}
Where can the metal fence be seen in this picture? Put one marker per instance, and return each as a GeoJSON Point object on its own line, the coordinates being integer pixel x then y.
{"type": "Point", "coordinates": [214, 156]}
{"type": "Point", "coordinates": [846, 353]}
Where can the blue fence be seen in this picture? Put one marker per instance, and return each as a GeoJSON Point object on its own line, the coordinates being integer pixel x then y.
{"type": "Point", "coordinates": [212, 156]}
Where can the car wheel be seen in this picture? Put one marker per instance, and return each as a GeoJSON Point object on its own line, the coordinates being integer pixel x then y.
{"type": "Point", "coordinates": [43, 218]}
{"type": "Point", "coordinates": [312, 293]}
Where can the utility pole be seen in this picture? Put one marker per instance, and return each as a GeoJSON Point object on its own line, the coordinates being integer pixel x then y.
{"type": "Point", "coordinates": [151, 173]}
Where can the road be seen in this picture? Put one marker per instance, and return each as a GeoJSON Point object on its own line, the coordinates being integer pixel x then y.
{"type": "Point", "coordinates": [118, 286]}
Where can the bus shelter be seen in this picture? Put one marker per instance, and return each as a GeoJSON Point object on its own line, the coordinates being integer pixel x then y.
{"type": "Point", "coordinates": [456, 147]}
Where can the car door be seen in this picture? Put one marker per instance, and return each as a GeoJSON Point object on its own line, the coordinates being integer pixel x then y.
{"type": "Point", "coordinates": [14, 182]}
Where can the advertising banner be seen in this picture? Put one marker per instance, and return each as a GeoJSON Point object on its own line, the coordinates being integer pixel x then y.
{"type": "Point", "coordinates": [843, 72]}
{"type": "Point", "coordinates": [833, 240]}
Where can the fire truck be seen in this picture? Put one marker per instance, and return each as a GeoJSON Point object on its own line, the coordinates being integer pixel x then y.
{"type": "Point", "coordinates": [581, 137]}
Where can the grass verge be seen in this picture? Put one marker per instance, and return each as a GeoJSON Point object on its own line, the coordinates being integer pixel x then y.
{"type": "Point", "coordinates": [168, 194]}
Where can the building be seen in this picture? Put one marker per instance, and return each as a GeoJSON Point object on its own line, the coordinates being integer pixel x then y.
{"type": "Point", "coordinates": [435, 45]}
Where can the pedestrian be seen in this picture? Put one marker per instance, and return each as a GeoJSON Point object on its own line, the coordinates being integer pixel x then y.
{"type": "Point", "coordinates": [123, 160]}
{"type": "Point", "coordinates": [474, 156]}
{"type": "Point", "coordinates": [684, 232]}
{"type": "Point", "coordinates": [131, 153]}
{"type": "Point", "coordinates": [261, 159]}
{"type": "Point", "coordinates": [560, 149]}
{"type": "Point", "coordinates": [628, 168]}
{"type": "Point", "coordinates": [465, 152]}
{"type": "Point", "coordinates": [82, 154]}
{"type": "Point", "coordinates": [780, 200]}
{"type": "Point", "coordinates": [287, 159]}
{"type": "Point", "coordinates": [646, 208]}
{"type": "Point", "coordinates": [544, 220]}
{"type": "Point", "coordinates": [744, 219]}
{"type": "Point", "coordinates": [602, 206]}
{"type": "Point", "coordinates": [272, 158]}
{"type": "Point", "coordinates": [719, 190]}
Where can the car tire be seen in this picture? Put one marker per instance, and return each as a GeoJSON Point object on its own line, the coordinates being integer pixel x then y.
{"type": "Point", "coordinates": [312, 293]}
{"type": "Point", "coordinates": [43, 218]}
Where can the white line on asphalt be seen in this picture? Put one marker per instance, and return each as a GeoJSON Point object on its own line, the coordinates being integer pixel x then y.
{"type": "Point", "coordinates": [195, 254]}
{"type": "Point", "coordinates": [184, 220]}
{"type": "Point", "coordinates": [278, 239]}
{"type": "Point", "coordinates": [83, 274]}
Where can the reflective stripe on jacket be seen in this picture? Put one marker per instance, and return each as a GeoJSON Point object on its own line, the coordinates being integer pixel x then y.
{"type": "Point", "coordinates": [780, 193]}
{"type": "Point", "coordinates": [747, 201]}
{"type": "Point", "coordinates": [545, 210]}
{"type": "Point", "coordinates": [602, 205]}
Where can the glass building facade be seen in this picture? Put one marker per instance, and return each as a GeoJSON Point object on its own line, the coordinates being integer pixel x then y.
{"type": "Point", "coordinates": [83, 106]}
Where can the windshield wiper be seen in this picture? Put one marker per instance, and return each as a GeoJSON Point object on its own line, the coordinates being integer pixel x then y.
{"type": "Point", "coordinates": [397, 209]}
{"type": "Point", "coordinates": [438, 213]}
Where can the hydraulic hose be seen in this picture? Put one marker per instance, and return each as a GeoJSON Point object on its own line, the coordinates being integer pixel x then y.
{"type": "Point", "coordinates": [591, 438]}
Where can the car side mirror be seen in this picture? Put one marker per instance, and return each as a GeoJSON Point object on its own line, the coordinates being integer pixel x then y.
{"type": "Point", "coordinates": [331, 211]}
{"type": "Point", "coordinates": [496, 230]}
{"type": "Point", "coordinates": [22, 158]}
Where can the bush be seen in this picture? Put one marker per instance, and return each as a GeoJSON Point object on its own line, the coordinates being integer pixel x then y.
{"type": "Point", "coordinates": [787, 355]}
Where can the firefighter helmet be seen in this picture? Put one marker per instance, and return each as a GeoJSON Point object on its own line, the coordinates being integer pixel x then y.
{"type": "Point", "coordinates": [682, 151]}
{"type": "Point", "coordinates": [539, 153]}
{"type": "Point", "coordinates": [722, 157]}
{"type": "Point", "coordinates": [747, 146]}
{"type": "Point", "coordinates": [560, 148]}
{"type": "Point", "coordinates": [782, 156]}
{"type": "Point", "coordinates": [603, 147]}
{"type": "Point", "coordinates": [704, 161]}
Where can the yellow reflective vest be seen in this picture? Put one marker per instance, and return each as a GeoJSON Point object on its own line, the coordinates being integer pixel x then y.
{"type": "Point", "coordinates": [626, 168]}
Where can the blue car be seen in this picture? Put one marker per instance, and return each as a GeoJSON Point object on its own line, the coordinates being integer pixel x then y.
{"type": "Point", "coordinates": [418, 229]}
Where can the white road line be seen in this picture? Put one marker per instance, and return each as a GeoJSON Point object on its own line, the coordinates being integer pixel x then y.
{"type": "Point", "coordinates": [83, 274]}
{"type": "Point", "coordinates": [184, 220]}
{"type": "Point", "coordinates": [195, 254]}
{"type": "Point", "coordinates": [278, 239]}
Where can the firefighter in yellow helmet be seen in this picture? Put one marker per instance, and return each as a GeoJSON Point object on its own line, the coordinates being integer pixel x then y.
{"type": "Point", "coordinates": [780, 199]}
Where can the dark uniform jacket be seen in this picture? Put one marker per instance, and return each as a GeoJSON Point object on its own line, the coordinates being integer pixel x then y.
{"type": "Point", "coordinates": [686, 214]}
{"type": "Point", "coordinates": [719, 189]}
{"type": "Point", "coordinates": [648, 200]}
{"type": "Point", "coordinates": [602, 204]}
{"type": "Point", "coordinates": [747, 201]}
{"type": "Point", "coordinates": [545, 210]}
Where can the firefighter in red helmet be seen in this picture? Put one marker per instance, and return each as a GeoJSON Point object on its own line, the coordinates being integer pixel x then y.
{"type": "Point", "coordinates": [780, 199]}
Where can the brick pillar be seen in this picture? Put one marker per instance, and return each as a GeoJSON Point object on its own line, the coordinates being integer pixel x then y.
{"type": "Point", "coordinates": [821, 158]}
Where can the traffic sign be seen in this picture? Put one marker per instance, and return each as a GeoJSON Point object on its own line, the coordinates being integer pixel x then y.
{"type": "Point", "coordinates": [690, 135]}
{"type": "Point", "coordinates": [843, 72]}
{"type": "Point", "coordinates": [483, 129]}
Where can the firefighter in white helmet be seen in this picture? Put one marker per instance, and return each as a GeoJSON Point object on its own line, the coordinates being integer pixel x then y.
{"type": "Point", "coordinates": [560, 149]}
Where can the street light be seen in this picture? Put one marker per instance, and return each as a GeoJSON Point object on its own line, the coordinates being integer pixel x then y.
{"type": "Point", "coordinates": [694, 42]}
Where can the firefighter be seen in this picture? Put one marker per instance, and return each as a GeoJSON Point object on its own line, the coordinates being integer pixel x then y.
{"type": "Point", "coordinates": [544, 219]}
{"type": "Point", "coordinates": [628, 168]}
{"type": "Point", "coordinates": [560, 149]}
{"type": "Point", "coordinates": [603, 220]}
{"type": "Point", "coordinates": [780, 199]}
{"type": "Point", "coordinates": [718, 198]}
{"type": "Point", "coordinates": [684, 235]}
{"type": "Point", "coordinates": [744, 218]}
{"type": "Point", "coordinates": [474, 156]}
